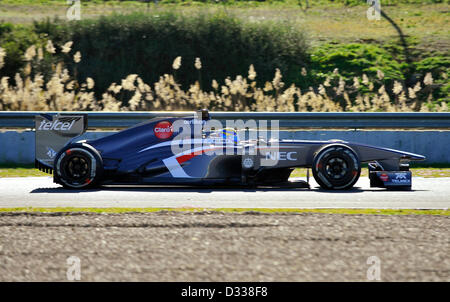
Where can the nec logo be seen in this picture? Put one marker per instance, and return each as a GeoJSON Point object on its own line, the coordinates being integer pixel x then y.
{"type": "Point", "coordinates": [281, 155]}
{"type": "Point", "coordinates": [56, 125]}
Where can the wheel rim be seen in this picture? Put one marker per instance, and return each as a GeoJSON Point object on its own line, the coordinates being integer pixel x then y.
{"type": "Point", "coordinates": [77, 167]}
{"type": "Point", "coordinates": [336, 168]}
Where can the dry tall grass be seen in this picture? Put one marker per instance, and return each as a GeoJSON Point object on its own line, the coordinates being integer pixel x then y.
{"type": "Point", "coordinates": [61, 92]}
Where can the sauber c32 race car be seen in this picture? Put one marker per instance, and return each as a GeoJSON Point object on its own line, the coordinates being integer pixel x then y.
{"type": "Point", "coordinates": [161, 152]}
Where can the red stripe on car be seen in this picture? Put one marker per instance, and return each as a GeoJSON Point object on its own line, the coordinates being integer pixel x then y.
{"type": "Point", "coordinates": [183, 158]}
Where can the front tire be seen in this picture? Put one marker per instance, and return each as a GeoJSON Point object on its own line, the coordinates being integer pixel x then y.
{"type": "Point", "coordinates": [336, 167]}
{"type": "Point", "coordinates": [78, 166]}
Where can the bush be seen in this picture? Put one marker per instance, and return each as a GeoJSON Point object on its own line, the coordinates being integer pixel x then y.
{"type": "Point", "coordinates": [62, 92]}
{"type": "Point", "coordinates": [118, 45]}
{"type": "Point", "coordinates": [353, 59]}
{"type": "Point", "coordinates": [15, 39]}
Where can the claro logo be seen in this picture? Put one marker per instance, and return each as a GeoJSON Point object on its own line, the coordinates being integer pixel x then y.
{"type": "Point", "coordinates": [163, 130]}
{"type": "Point", "coordinates": [56, 125]}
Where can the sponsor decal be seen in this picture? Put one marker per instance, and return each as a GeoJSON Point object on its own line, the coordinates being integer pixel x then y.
{"type": "Point", "coordinates": [163, 130]}
{"type": "Point", "coordinates": [50, 152]}
{"type": "Point", "coordinates": [194, 121]}
{"type": "Point", "coordinates": [384, 177]}
{"type": "Point", "coordinates": [56, 125]}
{"type": "Point", "coordinates": [247, 163]}
{"type": "Point", "coordinates": [401, 178]}
{"type": "Point", "coordinates": [281, 155]}
{"type": "Point", "coordinates": [218, 141]}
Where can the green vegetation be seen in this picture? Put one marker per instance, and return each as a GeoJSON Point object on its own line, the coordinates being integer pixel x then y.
{"type": "Point", "coordinates": [311, 3]}
{"type": "Point", "coordinates": [232, 210]}
{"type": "Point", "coordinates": [355, 58]}
{"type": "Point", "coordinates": [427, 172]}
{"type": "Point", "coordinates": [15, 39]}
{"type": "Point", "coordinates": [430, 170]}
{"type": "Point", "coordinates": [118, 38]}
{"type": "Point", "coordinates": [21, 172]}
{"type": "Point", "coordinates": [116, 46]}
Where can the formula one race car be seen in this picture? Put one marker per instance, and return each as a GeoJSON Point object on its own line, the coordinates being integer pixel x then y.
{"type": "Point", "coordinates": [167, 151]}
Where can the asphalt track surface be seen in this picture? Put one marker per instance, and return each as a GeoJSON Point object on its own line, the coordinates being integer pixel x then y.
{"type": "Point", "coordinates": [427, 193]}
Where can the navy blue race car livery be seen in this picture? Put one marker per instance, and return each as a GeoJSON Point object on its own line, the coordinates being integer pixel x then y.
{"type": "Point", "coordinates": [166, 151]}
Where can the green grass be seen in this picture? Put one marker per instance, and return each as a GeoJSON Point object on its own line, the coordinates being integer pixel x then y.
{"type": "Point", "coordinates": [325, 20]}
{"type": "Point", "coordinates": [428, 172]}
{"type": "Point", "coordinates": [338, 35]}
{"type": "Point", "coordinates": [21, 172]}
{"type": "Point", "coordinates": [14, 170]}
{"type": "Point", "coordinates": [232, 210]}
{"type": "Point", "coordinates": [431, 170]}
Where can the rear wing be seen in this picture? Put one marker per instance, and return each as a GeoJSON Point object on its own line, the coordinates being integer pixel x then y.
{"type": "Point", "coordinates": [52, 133]}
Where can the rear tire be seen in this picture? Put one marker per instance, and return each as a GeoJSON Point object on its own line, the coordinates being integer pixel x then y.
{"type": "Point", "coordinates": [336, 167]}
{"type": "Point", "coordinates": [78, 166]}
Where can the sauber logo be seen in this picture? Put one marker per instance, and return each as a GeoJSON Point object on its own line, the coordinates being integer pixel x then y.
{"type": "Point", "coordinates": [56, 125]}
{"type": "Point", "coordinates": [247, 163]}
{"type": "Point", "coordinates": [51, 153]}
{"type": "Point", "coordinates": [163, 130]}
